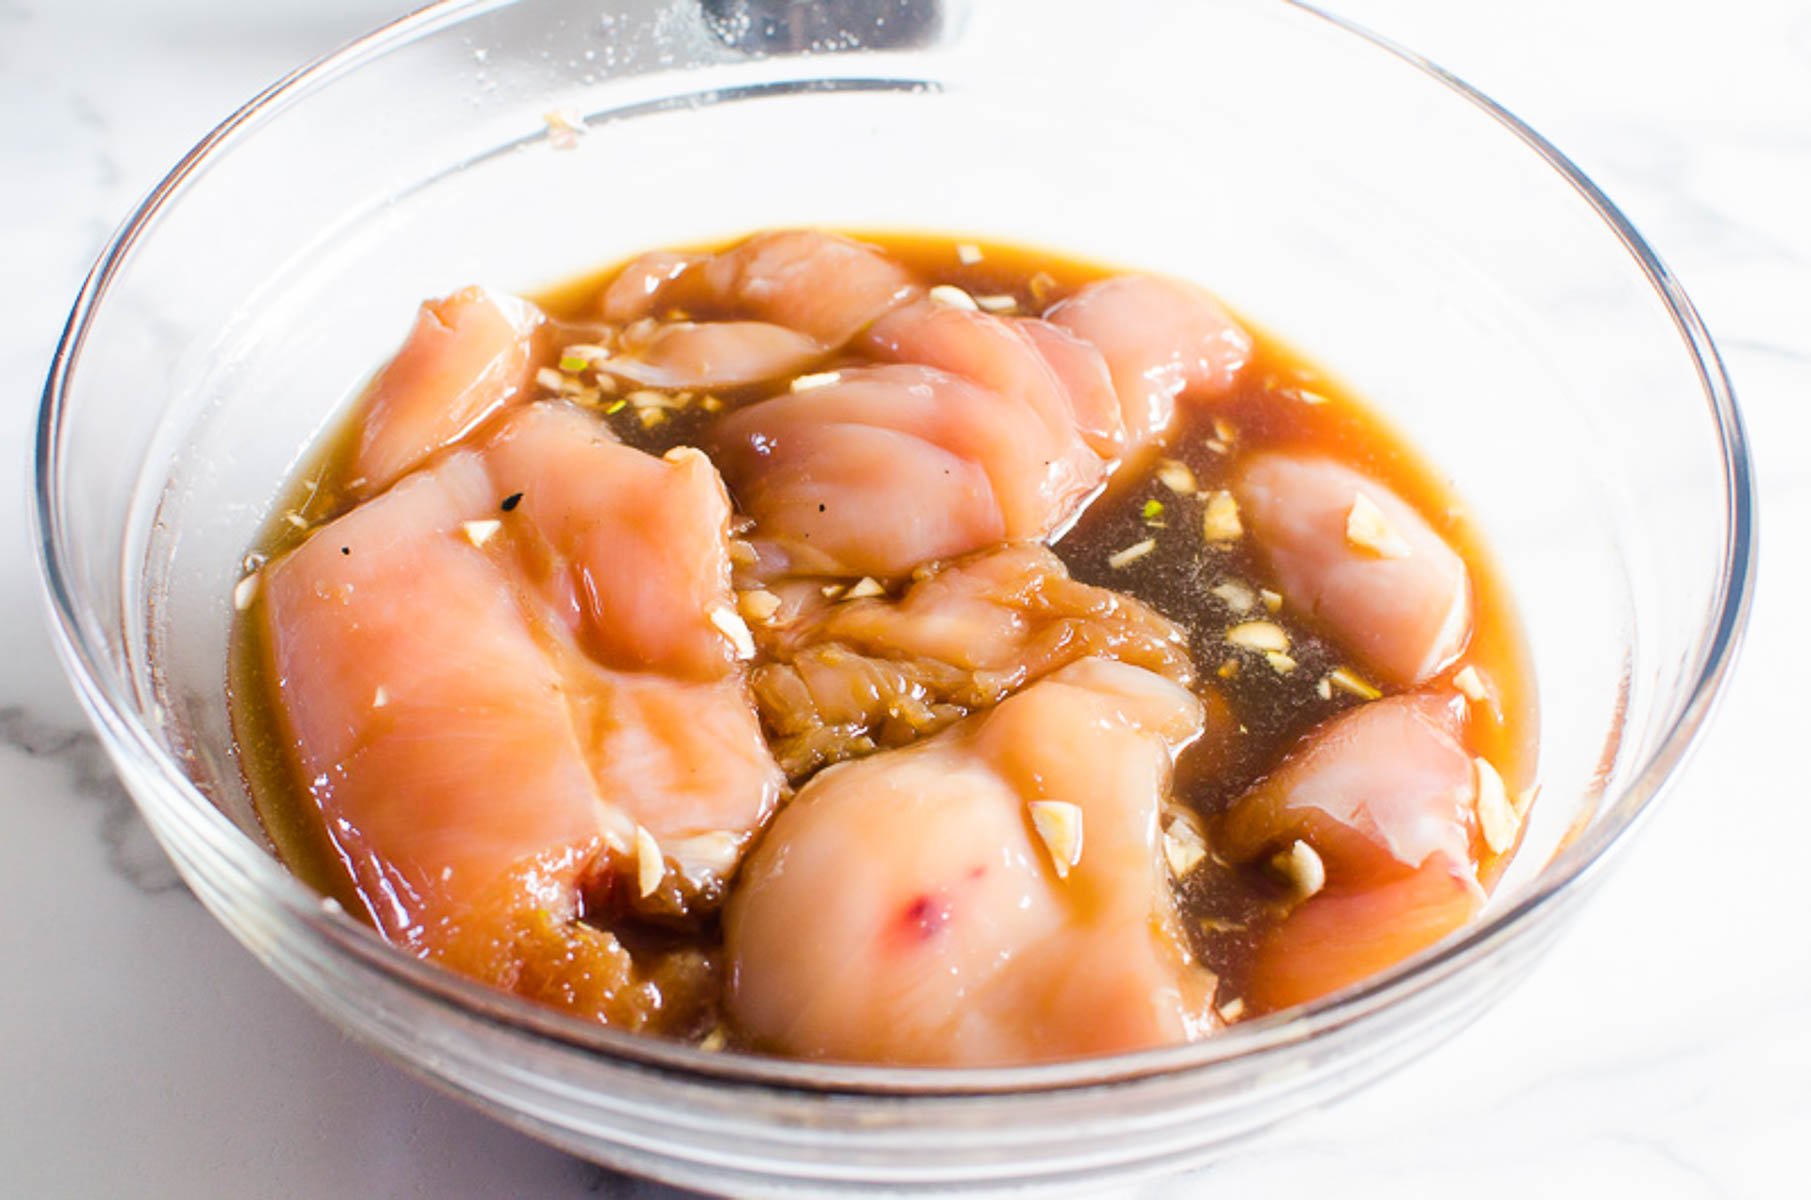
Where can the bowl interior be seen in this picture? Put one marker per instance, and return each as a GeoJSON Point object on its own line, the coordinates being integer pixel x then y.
{"type": "Point", "coordinates": [1386, 226]}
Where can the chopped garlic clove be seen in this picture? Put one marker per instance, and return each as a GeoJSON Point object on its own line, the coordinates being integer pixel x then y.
{"type": "Point", "coordinates": [1471, 685]}
{"type": "Point", "coordinates": [245, 591]}
{"type": "Point", "coordinates": [1368, 529]}
{"type": "Point", "coordinates": [1220, 519]}
{"type": "Point", "coordinates": [1258, 635]}
{"type": "Point", "coordinates": [1059, 824]}
{"type": "Point", "coordinates": [1131, 554]}
{"type": "Point", "coordinates": [480, 532]}
{"type": "Point", "coordinates": [1497, 821]}
{"type": "Point", "coordinates": [1183, 847]}
{"type": "Point", "coordinates": [1273, 601]}
{"type": "Point", "coordinates": [1302, 867]}
{"type": "Point", "coordinates": [1178, 477]}
{"type": "Point", "coordinates": [1232, 1010]}
{"type": "Point", "coordinates": [735, 629]}
{"type": "Point", "coordinates": [953, 297]}
{"type": "Point", "coordinates": [863, 588]}
{"type": "Point", "coordinates": [1352, 683]}
{"type": "Point", "coordinates": [804, 383]}
{"type": "Point", "coordinates": [967, 253]}
{"type": "Point", "coordinates": [1235, 595]}
{"type": "Point", "coordinates": [650, 865]}
{"type": "Point", "coordinates": [1279, 662]}
{"type": "Point", "coordinates": [1001, 303]}
{"type": "Point", "coordinates": [758, 606]}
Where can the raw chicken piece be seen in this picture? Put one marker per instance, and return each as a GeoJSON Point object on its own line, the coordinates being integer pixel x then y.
{"type": "Point", "coordinates": [1354, 558]}
{"type": "Point", "coordinates": [1060, 381]}
{"type": "Point", "coordinates": [1161, 338]}
{"type": "Point", "coordinates": [827, 287]}
{"type": "Point", "coordinates": [468, 356]}
{"type": "Point", "coordinates": [890, 467]}
{"type": "Point", "coordinates": [1386, 796]}
{"type": "Point", "coordinates": [843, 677]}
{"type": "Point", "coordinates": [588, 505]}
{"type": "Point", "coordinates": [807, 293]}
{"type": "Point", "coordinates": [952, 938]}
{"type": "Point", "coordinates": [478, 773]}
{"type": "Point", "coordinates": [716, 354]}
{"type": "Point", "coordinates": [636, 290]}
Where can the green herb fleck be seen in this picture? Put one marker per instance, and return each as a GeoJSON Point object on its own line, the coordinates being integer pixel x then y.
{"type": "Point", "coordinates": [572, 362]}
{"type": "Point", "coordinates": [1152, 512]}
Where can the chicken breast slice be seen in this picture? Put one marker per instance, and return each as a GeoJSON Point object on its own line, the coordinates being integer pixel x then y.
{"type": "Point", "coordinates": [889, 467]}
{"type": "Point", "coordinates": [467, 356]}
{"type": "Point", "coordinates": [960, 934]}
{"type": "Point", "coordinates": [1161, 338]}
{"type": "Point", "coordinates": [765, 309]}
{"type": "Point", "coordinates": [481, 775]}
{"type": "Point", "coordinates": [1386, 797]}
{"type": "Point", "coordinates": [1359, 562]}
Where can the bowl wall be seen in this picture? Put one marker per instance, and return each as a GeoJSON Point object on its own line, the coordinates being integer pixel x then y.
{"type": "Point", "coordinates": [1389, 225]}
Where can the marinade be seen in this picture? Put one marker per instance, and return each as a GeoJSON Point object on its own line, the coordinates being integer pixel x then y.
{"type": "Point", "coordinates": [1144, 574]}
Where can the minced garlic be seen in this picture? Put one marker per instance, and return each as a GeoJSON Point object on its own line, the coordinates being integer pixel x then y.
{"type": "Point", "coordinates": [1258, 635]}
{"type": "Point", "coordinates": [1352, 683]}
{"type": "Point", "coordinates": [1059, 824]}
{"type": "Point", "coordinates": [480, 532]}
{"type": "Point", "coordinates": [967, 253]}
{"type": "Point", "coordinates": [1177, 476]}
{"type": "Point", "coordinates": [1368, 529]}
{"type": "Point", "coordinates": [1279, 662]}
{"type": "Point", "coordinates": [1471, 685]}
{"type": "Point", "coordinates": [1131, 554]}
{"type": "Point", "coordinates": [758, 606]}
{"type": "Point", "coordinates": [1497, 821]}
{"type": "Point", "coordinates": [735, 629]}
{"type": "Point", "coordinates": [650, 864]}
{"type": "Point", "coordinates": [1220, 519]}
{"type": "Point", "coordinates": [245, 591]}
{"type": "Point", "coordinates": [1183, 847]}
{"type": "Point", "coordinates": [1235, 595]}
{"type": "Point", "coordinates": [805, 383]}
{"type": "Point", "coordinates": [953, 297]}
{"type": "Point", "coordinates": [1232, 1010]}
{"type": "Point", "coordinates": [863, 588]}
{"type": "Point", "coordinates": [1302, 867]}
{"type": "Point", "coordinates": [1000, 303]}
{"type": "Point", "coordinates": [1273, 601]}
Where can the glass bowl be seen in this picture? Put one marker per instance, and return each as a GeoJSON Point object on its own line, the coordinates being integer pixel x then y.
{"type": "Point", "coordinates": [1386, 220]}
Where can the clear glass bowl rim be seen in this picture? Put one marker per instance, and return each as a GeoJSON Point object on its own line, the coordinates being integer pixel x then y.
{"type": "Point", "coordinates": [78, 633]}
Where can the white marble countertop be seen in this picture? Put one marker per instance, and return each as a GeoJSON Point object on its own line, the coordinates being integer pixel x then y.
{"type": "Point", "coordinates": [1662, 1050]}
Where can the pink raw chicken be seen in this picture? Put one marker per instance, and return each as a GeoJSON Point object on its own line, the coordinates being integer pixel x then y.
{"type": "Point", "coordinates": [1404, 611]}
{"type": "Point", "coordinates": [889, 467]}
{"type": "Point", "coordinates": [805, 294]}
{"type": "Point", "coordinates": [903, 909]}
{"type": "Point", "coordinates": [469, 757]}
{"type": "Point", "coordinates": [1161, 338]}
{"type": "Point", "coordinates": [1386, 795]}
{"type": "Point", "coordinates": [468, 356]}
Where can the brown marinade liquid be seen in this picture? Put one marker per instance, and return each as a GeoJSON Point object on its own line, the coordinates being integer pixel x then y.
{"type": "Point", "coordinates": [1281, 401]}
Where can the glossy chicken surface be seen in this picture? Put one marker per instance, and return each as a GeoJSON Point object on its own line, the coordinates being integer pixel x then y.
{"type": "Point", "coordinates": [910, 652]}
{"type": "Point", "coordinates": [956, 938]}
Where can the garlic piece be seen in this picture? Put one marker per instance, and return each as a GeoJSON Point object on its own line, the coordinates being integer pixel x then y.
{"type": "Point", "coordinates": [1220, 519]}
{"type": "Point", "coordinates": [650, 865]}
{"type": "Point", "coordinates": [1497, 821]}
{"type": "Point", "coordinates": [1302, 866]}
{"type": "Point", "coordinates": [1368, 529]}
{"type": "Point", "coordinates": [1259, 635]}
{"type": "Point", "coordinates": [1059, 824]}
